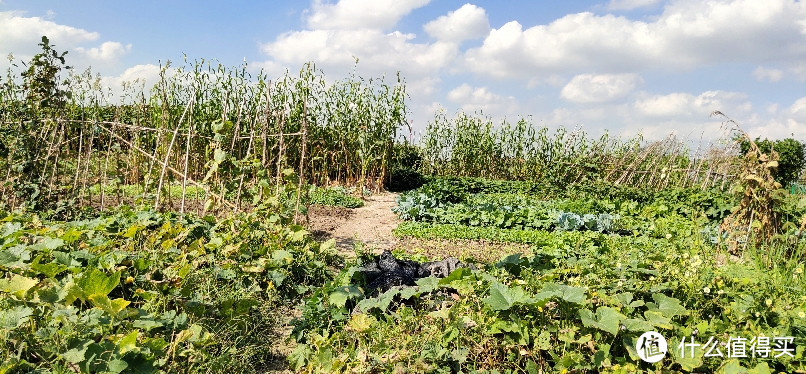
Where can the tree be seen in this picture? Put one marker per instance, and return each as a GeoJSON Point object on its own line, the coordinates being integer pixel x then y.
{"type": "Point", "coordinates": [43, 99]}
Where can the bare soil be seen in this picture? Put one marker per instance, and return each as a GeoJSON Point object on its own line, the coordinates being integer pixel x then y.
{"type": "Point", "coordinates": [371, 225]}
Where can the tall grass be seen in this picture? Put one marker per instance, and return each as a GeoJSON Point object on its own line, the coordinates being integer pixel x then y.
{"type": "Point", "coordinates": [475, 146]}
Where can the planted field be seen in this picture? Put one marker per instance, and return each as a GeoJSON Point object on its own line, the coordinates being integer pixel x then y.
{"type": "Point", "coordinates": [578, 302]}
{"type": "Point", "coordinates": [230, 223]}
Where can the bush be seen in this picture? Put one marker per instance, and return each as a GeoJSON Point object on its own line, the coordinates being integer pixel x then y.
{"type": "Point", "coordinates": [404, 171]}
{"type": "Point", "coordinates": [404, 179]}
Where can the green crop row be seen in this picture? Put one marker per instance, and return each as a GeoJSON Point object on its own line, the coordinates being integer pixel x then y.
{"type": "Point", "coordinates": [334, 197]}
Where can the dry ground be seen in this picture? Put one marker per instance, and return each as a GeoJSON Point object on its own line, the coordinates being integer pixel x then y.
{"type": "Point", "coordinates": [373, 226]}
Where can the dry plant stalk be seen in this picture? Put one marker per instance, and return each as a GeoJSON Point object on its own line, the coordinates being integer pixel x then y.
{"type": "Point", "coordinates": [754, 219]}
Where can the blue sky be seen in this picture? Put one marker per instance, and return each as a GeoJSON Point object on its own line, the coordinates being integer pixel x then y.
{"type": "Point", "coordinates": [626, 66]}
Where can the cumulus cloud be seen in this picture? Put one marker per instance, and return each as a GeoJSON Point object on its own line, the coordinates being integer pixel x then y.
{"type": "Point", "coordinates": [589, 88]}
{"type": "Point", "coordinates": [137, 78]}
{"type": "Point", "coordinates": [467, 22]}
{"type": "Point", "coordinates": [764, 74]}
{"type": "Point", "coordinates": [666, 105]}
{"type": "Point", "coordinates": [377, 52]}
{"type": "Point", "coordinates": [686, 105]}
{"type": "Point", "coordinates": [687, 34]}
{"type": "Point", "coordinates": [360, 14]}
{"type": "Point", "coordinates": [790, 122]}
{"type": "Point", "coordinates": [22, 35]}
{"type": "Point", "coordinates": [146, 74]}
{"type": "Point", "coordinates": [473, 99]}
{"type": "Point", "coordinates": [631, 4]}
{"type": "Point", "coordinates": [108, 51]}
{"type": "Point", "coordinates": [603, 54]}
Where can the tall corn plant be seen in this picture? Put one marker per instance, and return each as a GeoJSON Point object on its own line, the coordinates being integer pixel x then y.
{"type": "Point", "coordinates": [223, 130]}
{"type": "Point", "coordinates": [472, 145]}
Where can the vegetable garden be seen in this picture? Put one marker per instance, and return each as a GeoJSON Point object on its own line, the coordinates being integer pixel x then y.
{"type": "Point", "coordinates": [164, 231]}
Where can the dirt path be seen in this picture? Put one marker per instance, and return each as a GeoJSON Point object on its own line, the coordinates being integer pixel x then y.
{"type": "Point", "coordinates": [371, 224]}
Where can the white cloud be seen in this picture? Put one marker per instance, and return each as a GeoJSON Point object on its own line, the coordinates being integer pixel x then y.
{"type": "Point", "coordinates": [360, 14]}
{"type": "Point", "coordinates": [473, 99]}
{"type": "Point", "coordinates": [631, 4]}
{"type": "Point", "coordinates": [665, 105]}
{"type": "Point", "coordinates": [139, 78]}
{"type": "Point", "coordinates": [588, 88]}
{"type": "Point", "coordinates": [148, 74]}
{"type": "Point", "coordinates": [685, 105]}
{"type": "Point", "coordinates": [771, 75]}
{"type": "Point", "coordinates": [790, 122]}
{"type": "Point", "coordinates": [687, 34]}
{"type": "Point", "coordinates": [467, 22]}
{"type": "Point", "coordinates": [22, 35]}
{"type": "Point", "coordinates": [378, 53]}
{"type": "Point", "coordinates": [108, 51]}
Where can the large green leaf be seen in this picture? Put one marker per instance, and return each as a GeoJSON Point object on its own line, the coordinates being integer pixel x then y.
{"type": "Point", "coordinates": [732, 366]}
{"type": "Point", "coordinates": [684, 356]}
{"type": "Point", "coordinates": [457, 274]}
{"type": "Point", "coordinates": [669, 306]}
{"type": "Point", "coordinates": [340, 296]}
{"type": "Point", "coordinates": [9, 228]}
{"type": "Point", "coordinates": [502, 297]}
{"type": "Point", "coordinates": [16, 256]}
{"type": "Point", "coordinates": [637, 325]}
{"type": "Point", "coordinates": [381, 302]}
{"type": "Point", "coordinates": [48, 243]}
{"type": "Point", "coordinates": [657, 319]}
{"type": "Point", "coordinates": [128, 342]}
{"type": "Point", "coordinates": [761, 368]}
{"type": "Point", "coordinates": [116, 366]}
{"type": "Point", "coordinates": [95, 282]}
{"type": "Point", "coordinates": [575, 295]}
{"type": "Point", "coordinates": [15, 317]}
{"type": "Point", "coordinates": [113, 307]}
{"type": "Point", "coordinates": [17, 285]}
{"type": "Point", "coordinates": [605, 319]}
{"type": "Point", "coordinates": [50, 269]}
{"type": "Point", "coordinates": [427, 284]}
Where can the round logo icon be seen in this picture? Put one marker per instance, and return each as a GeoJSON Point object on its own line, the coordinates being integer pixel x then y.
{"type": "Point", "coordinates": [651, 346]}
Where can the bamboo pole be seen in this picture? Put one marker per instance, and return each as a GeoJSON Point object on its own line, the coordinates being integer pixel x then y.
{"type": "Point", "coordinates": [185, 168]}
{"type": "Point", "coordinates": [168, 152]}
{"type": "Point", "coordinates": [168, 168]}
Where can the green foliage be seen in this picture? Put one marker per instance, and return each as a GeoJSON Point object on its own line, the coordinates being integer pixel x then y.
{"type": "Point", "coordinates": [140, 291]}
{"type": "Point", "coordinates": [791, 157]}
{"type": "Point", "coordinates": [471, 145]}
{"type": "Point", "coordinates": [222, 129]}
{"type": "Point", "coordinates": [404, 170]}
{"type": "Point", "coordinates": [44, 91]}
{"type": "Point", "coordinates": [577, 305]}
{"type": "Point", "coordinates": [336, 196]}
{"type": "Point", "coordinates": [22, 140]}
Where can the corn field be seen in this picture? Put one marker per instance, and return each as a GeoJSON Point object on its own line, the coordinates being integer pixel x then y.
{"type": "Point", "coordinates": [204, 136]}
{"type": "Point", "coordinates": [472, 145]}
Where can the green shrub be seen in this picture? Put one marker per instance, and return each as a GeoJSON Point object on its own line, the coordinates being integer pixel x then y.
{"type": "Point", "coordinates": [404, 172]}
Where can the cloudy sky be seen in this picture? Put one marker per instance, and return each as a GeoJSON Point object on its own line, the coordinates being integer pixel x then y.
{"type": "Point", "coordinates": [627, 66]}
